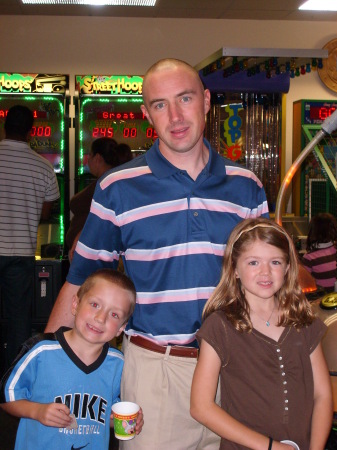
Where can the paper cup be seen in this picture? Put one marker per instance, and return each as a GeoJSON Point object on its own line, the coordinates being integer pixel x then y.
{"type": "Point", "coordinates": [125, 417]}
{"type": "Point", "coordinates": [293, 444]}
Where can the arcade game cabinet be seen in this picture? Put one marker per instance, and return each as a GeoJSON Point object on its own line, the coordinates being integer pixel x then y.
{"type": "Point", "coordinates": [46, 96]}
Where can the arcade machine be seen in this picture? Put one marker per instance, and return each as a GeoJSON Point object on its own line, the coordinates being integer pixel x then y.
{"type": "Point", "coordinates": [314, 186]}
{"type": "Point", "coordinates": [46, 96]}
{"type": "Point", "coordinates": [108, 106]}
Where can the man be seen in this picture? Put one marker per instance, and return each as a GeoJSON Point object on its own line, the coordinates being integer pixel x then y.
{"type": "Point", "coordinates": [28, 186]}
{"type": "Point", "coordinates": [168, 213]}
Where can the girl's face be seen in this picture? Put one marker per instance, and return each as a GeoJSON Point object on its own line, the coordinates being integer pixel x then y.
{"type": "Point", "coordinates": [261, 268]}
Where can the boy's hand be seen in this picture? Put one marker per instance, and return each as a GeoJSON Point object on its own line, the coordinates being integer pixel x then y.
{"type": "Point", "coordinates": [53, 415]}
{"type": "Point", "coordinates": [140, 421]}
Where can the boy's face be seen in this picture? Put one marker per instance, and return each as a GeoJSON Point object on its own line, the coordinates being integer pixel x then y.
{"type": "Point", "coordinates": [102, 312]}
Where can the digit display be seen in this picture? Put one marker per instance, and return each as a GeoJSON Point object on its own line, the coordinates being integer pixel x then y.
{"type": "Point", "coordinates": [321, 112]}
{"type": "Point", "coordinates": [316, 111]}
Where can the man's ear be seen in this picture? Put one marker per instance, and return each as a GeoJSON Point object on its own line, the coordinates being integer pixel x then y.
{"type": "Point", "coordinates": [75, 303]}
{"type": "Point", "coordinates": [207, 100]}
{"type": "Point", "coordinates": [146, 113]}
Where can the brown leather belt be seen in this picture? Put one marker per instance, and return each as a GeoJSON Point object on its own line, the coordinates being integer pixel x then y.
{"type": "Point", "coordinates": [175, 350]}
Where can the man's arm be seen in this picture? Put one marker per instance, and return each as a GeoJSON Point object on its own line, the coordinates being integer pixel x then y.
{"type": "Point", "coordinates": [61, 314]}
{"type": "Point", "coordinates": [46, 210]}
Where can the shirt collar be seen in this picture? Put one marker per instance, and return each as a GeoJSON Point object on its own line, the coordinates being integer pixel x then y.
{"type": "Point", "coordinates": [324, 244]}
{"type": "Point", "coordinates": [162, 168]}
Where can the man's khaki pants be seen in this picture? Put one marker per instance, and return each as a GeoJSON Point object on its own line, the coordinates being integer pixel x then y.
{"type": "Point", "coordinates": [161, 385]}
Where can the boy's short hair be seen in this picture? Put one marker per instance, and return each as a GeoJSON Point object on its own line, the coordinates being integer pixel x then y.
{"type": "Point", "coordinates": [114, 277]}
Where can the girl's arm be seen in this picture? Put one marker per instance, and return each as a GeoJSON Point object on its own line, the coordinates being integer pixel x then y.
{"type": "Point", "coordinates": [323, 405]}
{"type": "Point", "coordinates": [206, 411]}
{"type": "Point", "coordinates": [49, 414]}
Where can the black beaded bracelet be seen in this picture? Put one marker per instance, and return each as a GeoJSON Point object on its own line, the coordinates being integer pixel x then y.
{"type": "Point", "coordinates": [270, 443]}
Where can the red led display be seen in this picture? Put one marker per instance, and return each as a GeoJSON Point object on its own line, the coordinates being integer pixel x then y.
{"type": "Point", "coordinates": [102, 132]}
{"type": "Point", "coordinates": [131, 132]}
{"type": "Point", "coordinates": [321, 112]}
{"type": "Point", "coordinates": [37, 114]}
{"type": "Point", "coordinates": [151, 133]}
{"type": "Point", "coordinates": [108, 115]}
{"type": "Point", "coordinates": [41, 131]}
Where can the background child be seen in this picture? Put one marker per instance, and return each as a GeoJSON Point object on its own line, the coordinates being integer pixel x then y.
{"type": "Point", "coordinates": [320, 259]}
{"type": "Point", "coordinates": [73, 371]}
{"type": "Point", "coordinates": [263, 339]}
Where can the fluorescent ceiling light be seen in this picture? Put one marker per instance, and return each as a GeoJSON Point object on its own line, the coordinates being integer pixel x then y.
{"type": "Point", "coordinates": [319, 5]}
{"type": "Point", "coordinates": [92, 2]}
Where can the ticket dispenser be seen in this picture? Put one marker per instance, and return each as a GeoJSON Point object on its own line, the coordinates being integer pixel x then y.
{"type": "Point", "coordinates": [48, 282]}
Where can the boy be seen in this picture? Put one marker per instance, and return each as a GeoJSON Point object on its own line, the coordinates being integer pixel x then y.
{"type": "Point", "coordinates": [62, 385]}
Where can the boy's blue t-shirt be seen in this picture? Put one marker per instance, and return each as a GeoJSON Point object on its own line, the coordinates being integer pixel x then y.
{"type": "Point", "coordinates": [46, 371]}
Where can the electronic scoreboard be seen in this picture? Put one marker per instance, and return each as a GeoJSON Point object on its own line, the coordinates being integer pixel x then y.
{"type": "Point", "coordinates": [109, 106]}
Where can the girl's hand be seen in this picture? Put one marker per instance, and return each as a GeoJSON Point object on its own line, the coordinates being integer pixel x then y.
{"type": "Point", "coordinates": [53, 415]}
{"type": "Point", "coordinates": [140, 421]}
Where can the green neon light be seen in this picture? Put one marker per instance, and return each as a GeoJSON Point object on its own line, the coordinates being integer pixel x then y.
{"type": "Point", "coordinates": [129, 100]}
{"type": "Point", "coordinates": [61, 229]}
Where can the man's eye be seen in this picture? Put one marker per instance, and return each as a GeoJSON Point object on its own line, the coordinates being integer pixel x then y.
{"type": "Point", "coordinates": [185, 99]}
{"type": "Point", "coordinates": [159, 106]}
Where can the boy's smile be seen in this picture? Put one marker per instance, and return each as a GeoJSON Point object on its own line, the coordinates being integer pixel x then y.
{"type": "Point", "coordinates": [102, 312]}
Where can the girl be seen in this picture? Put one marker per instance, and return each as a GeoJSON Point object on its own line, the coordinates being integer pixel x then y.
{"type": "Point", "coordinates": [261, 336]}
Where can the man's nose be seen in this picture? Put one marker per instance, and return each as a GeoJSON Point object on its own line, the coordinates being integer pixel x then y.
{"type": "Point", "coordinates": [175, 113]}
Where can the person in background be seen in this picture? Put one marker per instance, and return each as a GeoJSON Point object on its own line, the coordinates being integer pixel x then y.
{"type": "Point", "coordinates": [28, 188]}
{"type": "Point", "coordinates": [63, 385]}
{"type": "Point", "coordinates": [261, 336]}
{"type": "Point", "coordinates": [167, 214]}
{"type": "Point", "coordinates": [321, 257]}
{"type": "Point", "coordinates": [104, 155]}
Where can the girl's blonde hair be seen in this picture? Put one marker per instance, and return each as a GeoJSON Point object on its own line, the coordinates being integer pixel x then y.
{"type": "Point", "coordinates": [228, 296]}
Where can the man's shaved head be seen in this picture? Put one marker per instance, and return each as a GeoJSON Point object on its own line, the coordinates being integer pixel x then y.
{"type": "Point", "coordinates": [169, 64]}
